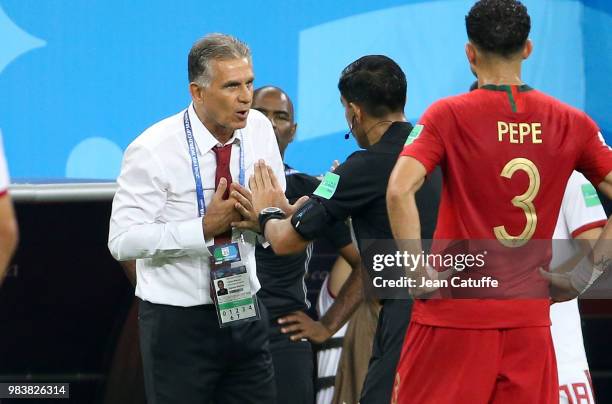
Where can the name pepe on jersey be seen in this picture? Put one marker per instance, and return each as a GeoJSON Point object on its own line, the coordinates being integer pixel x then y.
{"type": "Point", "coordinates": [520, 132]}
{"type": "Point", "coordinates": [516, 132]}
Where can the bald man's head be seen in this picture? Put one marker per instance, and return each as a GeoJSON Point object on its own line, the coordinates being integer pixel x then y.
{"type": "Point", "coordinates": [275, 104]}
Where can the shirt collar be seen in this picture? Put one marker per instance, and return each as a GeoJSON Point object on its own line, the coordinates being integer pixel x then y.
{"type": "Point", "coordinates": [204, 140]}
{"type": "Point", "coordinates": [504, 87]}
{"type": "Point", "coordinates": [397, 133]}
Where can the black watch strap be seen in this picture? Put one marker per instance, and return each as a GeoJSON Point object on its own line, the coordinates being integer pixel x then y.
{"type": "Point", "coordinates": [264, 217]}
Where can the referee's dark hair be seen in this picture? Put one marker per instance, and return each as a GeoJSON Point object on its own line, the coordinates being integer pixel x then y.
{"type": "Point", "coordinates": [498, 26]}
{"type": "Point", "coordinates": [376, 83]}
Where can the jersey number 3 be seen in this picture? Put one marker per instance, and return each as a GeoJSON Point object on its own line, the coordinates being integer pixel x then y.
{"type": "Point", "coordinates": [524, 201]}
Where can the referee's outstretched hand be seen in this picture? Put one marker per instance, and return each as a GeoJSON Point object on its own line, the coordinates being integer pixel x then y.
{"type": "Point", "coordinates": [267, 192]}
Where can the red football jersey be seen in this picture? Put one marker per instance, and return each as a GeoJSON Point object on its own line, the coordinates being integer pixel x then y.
{"type": "Point", "coordinates": [506, 153]}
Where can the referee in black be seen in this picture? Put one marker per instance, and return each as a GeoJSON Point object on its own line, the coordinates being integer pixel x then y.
{"type": "Point", "coordinates": [283, 290]}
{"type": "Point", "coordinates": [373, 93]}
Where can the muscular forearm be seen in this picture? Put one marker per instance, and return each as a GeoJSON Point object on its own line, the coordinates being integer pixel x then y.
{"type": "Point", "coordinates": [602, 252]}
{"type": "Point", "coordinates": [351, 294]}
{"type": "Point", "coordinates": [587, 271]}
{"type": "Point", "coordinates": [570, 264]}
{"type": "Point", "coordinates": [405, 223]}
{"type": "Point", "coordinates": [406, 179]}
{"type": "Point", "coordinates": [404, 218]}
{"type": "Point", "coordinates": [283, 238]}
{"type": "Point", "coordinates": [601, 255]}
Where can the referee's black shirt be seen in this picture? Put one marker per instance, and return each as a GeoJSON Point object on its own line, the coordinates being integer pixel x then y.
{"type": "Point", "coordinates": [362, 188]}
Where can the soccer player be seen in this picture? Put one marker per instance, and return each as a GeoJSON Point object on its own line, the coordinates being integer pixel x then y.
{"type": "Point", "coordinates": [283, 291]}
{"type": "Point", "coordinates": [506, 152]}
{"type": "Point", "coordinates": [8, 223]}
{"type": "Point", "coordinates": [581, 218]}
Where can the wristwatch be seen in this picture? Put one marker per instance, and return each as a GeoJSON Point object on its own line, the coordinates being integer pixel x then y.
{"type": "Point", "coordinates": [268, 213]}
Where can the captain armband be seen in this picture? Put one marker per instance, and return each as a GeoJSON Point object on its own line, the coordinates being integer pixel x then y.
{"type": "Point", "coordinates": [310, 219]}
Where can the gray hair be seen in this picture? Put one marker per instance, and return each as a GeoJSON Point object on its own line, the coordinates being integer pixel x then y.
{"type": "Point", "coordinates": [213, 47]}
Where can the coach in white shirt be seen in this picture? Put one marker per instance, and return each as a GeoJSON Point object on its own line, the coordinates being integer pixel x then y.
{"type": "Point", "coordinates": [187, 357]}
{"type": "Point", "coordinates": [8, 223]}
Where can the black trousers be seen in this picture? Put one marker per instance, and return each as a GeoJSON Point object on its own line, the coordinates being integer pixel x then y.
{"type": "Point", "coordinates": [293, 368]}
{"type": "Point", "coordinates": [386, 350]}
{"type": "Point", "coordinates": [188, 359]}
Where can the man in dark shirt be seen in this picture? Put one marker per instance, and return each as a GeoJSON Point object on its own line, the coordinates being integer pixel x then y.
{"type": "Point", "coordinates": [283, 290]}
{"type": "Point", "coordinates": [373, 93]}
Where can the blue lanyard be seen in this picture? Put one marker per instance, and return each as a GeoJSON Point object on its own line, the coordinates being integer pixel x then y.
{"type": "Point", "coordinates": [195, 165]}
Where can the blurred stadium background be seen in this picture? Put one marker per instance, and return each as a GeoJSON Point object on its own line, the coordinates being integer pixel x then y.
{"type": "Point", "coordinates": [80, 79]}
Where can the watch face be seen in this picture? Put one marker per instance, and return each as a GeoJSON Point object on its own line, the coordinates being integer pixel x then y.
{"type": "Point", "coordinates": [272, 209]}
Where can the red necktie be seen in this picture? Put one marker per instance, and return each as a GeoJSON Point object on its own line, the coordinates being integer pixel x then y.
{"type": "Point", "coordinates": [223, 155]}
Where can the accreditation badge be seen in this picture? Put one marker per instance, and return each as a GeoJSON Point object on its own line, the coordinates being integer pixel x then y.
{"type": "Point", "coordinates": [231, 285]}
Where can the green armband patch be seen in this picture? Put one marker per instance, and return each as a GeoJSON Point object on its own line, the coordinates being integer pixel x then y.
{"type": "Point", "coordinates": [328, 185]}
{"type": "Point", "coordinates": [590, 195]}
{"type": "Point", "coordinates": [414, 134]}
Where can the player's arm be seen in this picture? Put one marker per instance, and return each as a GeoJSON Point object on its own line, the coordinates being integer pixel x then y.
{"type": "Point", "coordinates": [594, 160]}
{"type": "Point", "coordinates": [350, 295]}
{"type": "Point", "coordinates": [300, 325]}
{"type": "Point", "coordinates": [9, 233]}
{"type": "Point", "coordinates": [577, 274]}
{"type": "Point", "coordinates": [586, 241]}
{"type": "Point", "coordinates": [406, 179]}
{"type": "Point", "coordinates": [339, 274]}
{"type": "Point", "coordinates": [606, 186]}
{"type": "Point", "coordinates": [602, 252]}
{"type": "Point", "coordinates": [424, 150]}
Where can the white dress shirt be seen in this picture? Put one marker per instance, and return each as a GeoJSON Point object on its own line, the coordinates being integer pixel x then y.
{"type": "Point", "coordinates": [155, 211]}
{"type": "Point", "coordinates": [4, 176]}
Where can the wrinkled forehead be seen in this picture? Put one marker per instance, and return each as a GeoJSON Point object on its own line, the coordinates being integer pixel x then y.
{"type": "Point", "coordinates": [236, 69]}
